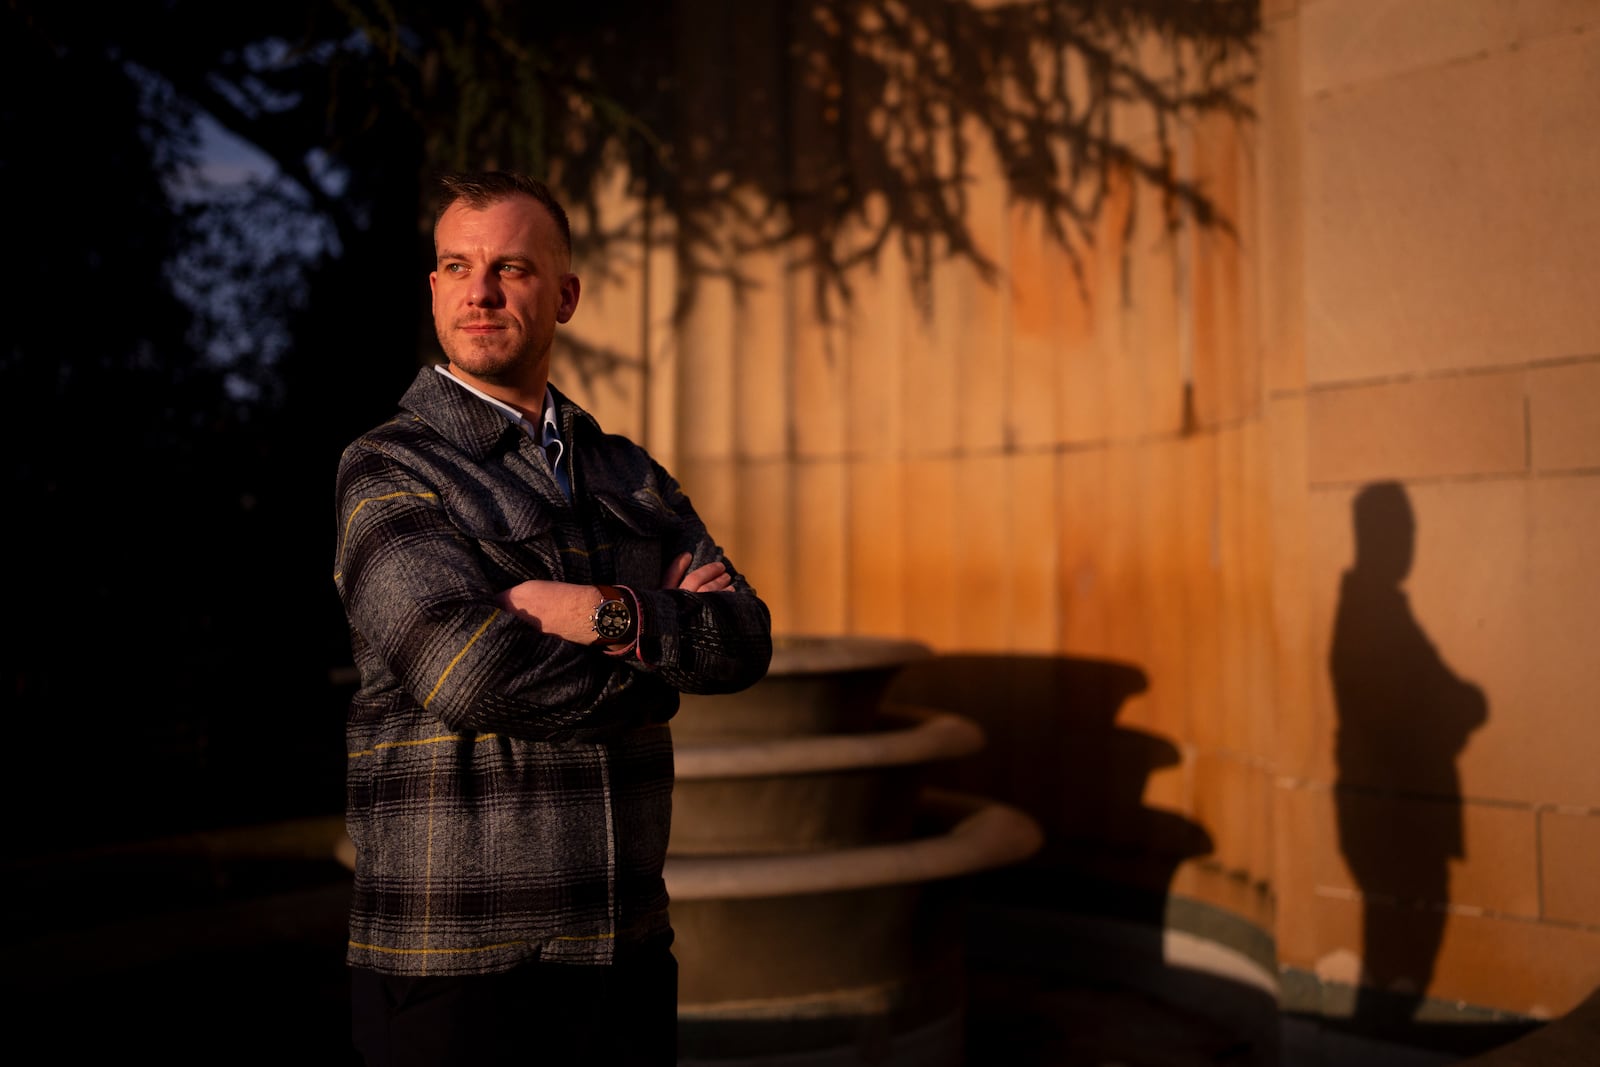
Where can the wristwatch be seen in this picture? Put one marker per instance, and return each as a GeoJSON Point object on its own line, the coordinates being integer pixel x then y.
{"type": "Point", "coordinates": [613, 619]}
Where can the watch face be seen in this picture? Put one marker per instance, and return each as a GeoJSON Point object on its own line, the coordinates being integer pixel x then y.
{"type": "Point", "coordinates": [611, 619]}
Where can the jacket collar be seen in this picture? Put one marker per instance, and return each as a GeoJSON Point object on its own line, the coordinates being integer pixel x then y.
{"type": "Point", "coordinates": [472, 425]}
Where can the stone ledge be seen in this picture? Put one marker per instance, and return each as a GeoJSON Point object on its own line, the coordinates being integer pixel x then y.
{"type": "Point", "coordinates": [1568, 1041]}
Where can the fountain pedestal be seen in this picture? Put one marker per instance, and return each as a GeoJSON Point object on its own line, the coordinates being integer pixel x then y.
{"type": "Point", "coordinates": [815, 882]}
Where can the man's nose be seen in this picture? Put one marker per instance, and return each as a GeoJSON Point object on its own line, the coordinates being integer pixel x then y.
{"type": "Point", "coordinates": [485, 292]}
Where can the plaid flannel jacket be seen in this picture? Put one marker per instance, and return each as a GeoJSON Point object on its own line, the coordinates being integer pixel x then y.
{"type": "Point", "coordinates": [509, 793]}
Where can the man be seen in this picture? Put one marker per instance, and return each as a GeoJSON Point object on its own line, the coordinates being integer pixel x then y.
{"type": "Point", "coordinates": [527, 596]}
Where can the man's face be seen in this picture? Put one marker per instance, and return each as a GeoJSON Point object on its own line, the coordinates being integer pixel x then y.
{"type": "Point", "coordinates": [500, 286]}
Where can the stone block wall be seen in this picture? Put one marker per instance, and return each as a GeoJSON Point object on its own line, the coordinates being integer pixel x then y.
{"type": "Point", "coordinates": [1441, 336]}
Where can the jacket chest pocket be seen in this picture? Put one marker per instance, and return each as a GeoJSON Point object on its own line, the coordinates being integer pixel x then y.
{"type": "Point", "coordinates": [514, 533]}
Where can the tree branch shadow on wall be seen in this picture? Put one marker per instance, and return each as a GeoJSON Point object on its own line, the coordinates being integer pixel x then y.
{"type": "Point", "coordinates": [1047, 990]}
{"type": "Point", "coordinates": [1404, 717]}
{"type": "Point", "coordinates": [858, 126]}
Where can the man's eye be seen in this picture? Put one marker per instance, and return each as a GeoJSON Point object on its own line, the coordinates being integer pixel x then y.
{"type": "Point", "coordinates": [454, 268]}
{"type": "Point", "coordinates": [510, 268]}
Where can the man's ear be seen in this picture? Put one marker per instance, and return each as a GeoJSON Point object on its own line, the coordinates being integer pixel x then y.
{"type": "Point", "coordinates": [569, 297]}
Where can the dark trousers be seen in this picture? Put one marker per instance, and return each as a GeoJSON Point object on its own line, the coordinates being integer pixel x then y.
{"type": "Point", "coordinates": [540, 1013]}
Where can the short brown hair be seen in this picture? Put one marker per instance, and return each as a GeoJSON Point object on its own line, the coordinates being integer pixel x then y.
{"type": "Point", "coordinates": [482, 188]}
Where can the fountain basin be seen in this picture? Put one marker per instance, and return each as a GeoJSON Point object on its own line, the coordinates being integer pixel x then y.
{"type": "Point", "coordinates": [814, 685]}
{"type": "Point", "coordinates": [798, 925]}
{"type": "Point", "coordinates": [827, 952]}
{"type": "Point", "coordinates": [776, 795]}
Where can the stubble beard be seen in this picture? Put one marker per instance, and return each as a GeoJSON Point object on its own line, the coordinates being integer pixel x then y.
{"type": "Point", "coordinates": [503, 358]}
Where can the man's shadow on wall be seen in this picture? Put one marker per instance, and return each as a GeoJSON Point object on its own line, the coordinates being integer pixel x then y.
{"type": "Point", "coordinates": [1059, 936]}
{"type": "Point", "coordinates": [1403, 719]}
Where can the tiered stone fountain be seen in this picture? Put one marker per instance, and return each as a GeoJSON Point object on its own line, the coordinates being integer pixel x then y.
{"type": "Point", "coordinates": [815, 882]}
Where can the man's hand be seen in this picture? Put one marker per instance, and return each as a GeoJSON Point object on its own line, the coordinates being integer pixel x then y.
{"type": "Point", "coordinates": [567, 610]}
{"type": "Point", "coordinates": [710, 578]}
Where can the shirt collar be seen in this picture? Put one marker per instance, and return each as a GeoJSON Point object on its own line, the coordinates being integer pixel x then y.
{"type": "Point", "coordinates": [479, 428]}
{"type": "Point", "coordinates": [547, 432]}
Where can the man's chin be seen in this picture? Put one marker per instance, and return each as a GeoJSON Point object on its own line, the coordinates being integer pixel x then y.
{"type": "Point", "coordinates": [484, 361]}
